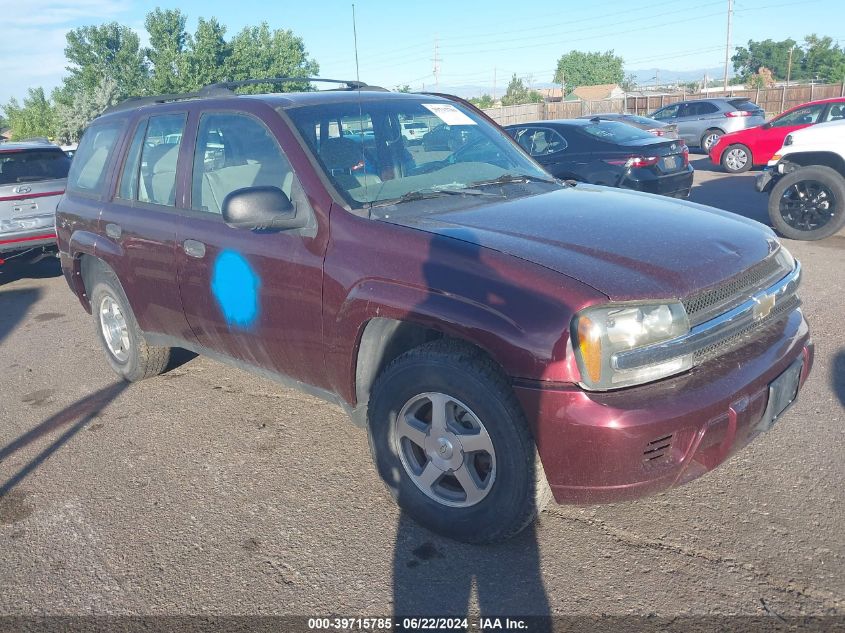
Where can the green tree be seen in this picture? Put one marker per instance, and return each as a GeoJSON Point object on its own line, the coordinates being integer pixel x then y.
{"type": "Point", "coordinates": [73, 118]}
{"type": "Point", "coordinates": [823, 59]}
{"type": "Point", "coordinates": [35, 117]}
{"type": "Point", "coordinates": [207, 55]}
{"type": "Point", "coordinates": [166, 52]}
{"type": "Point", "coordinates": [258, 52]}
{"type": "Point", "coordinates": [109, 50]}
{"type": "Point", "coordinates": [518, 93]}
{"type": "Point", "coordinates": [769, 53]}
{"type": "Point", "coordinates": [403, 88]}
{"type": "Point", "coordinates": [484, 101]}
{"type": "Point", "coordinates": [577, 68]}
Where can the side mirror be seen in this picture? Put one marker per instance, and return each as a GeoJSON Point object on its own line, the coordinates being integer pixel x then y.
{"type": "Point", "coordinates": [767, 125]}
{"type": "Point", "coordinates": [256, 208]}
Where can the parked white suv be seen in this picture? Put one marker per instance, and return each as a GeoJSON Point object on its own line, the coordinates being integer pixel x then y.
{"type": "Point", "coordinates": [806, 182]}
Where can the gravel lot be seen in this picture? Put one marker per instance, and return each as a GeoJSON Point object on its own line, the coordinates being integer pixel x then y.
{"type": "Point", "coordinates": [210, 491]}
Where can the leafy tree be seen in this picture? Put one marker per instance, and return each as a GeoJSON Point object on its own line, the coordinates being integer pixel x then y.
{"type": "Point", "coordinates": [629, 84]}
{"type": "Point", "coordinates": [577, 68]}
{"type": "Point", "coordinates": [517, 93]}
{"type": "Point", "coordinates": [109, 50]}
{"type": "Point", "coordinates": [35, 117]}
{"type": "Point", "coordinates": [403, 88]}
{"type": "Point", "coordinates": [769, 53]}
{"type": "Point", "coordinates": [257, 52]}
{"type": "Point", "coordinates": [207, 55]}
{"type": "Point", "coordinates": [823, 59]}
{"type": "Point", "coordinates": [73, 118]}
{"type": "Point", "coordinates": [166, 52]}
{"type": "Point", "coordinates": [484, 101]}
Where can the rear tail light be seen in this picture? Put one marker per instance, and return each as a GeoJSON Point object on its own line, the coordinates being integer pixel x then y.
{"type": "Point", "coordinates": [634, 161]}
{"type": "Point", "coordinates": [737, 113]}
{"type": "Point", "coordinates": [656, 132]}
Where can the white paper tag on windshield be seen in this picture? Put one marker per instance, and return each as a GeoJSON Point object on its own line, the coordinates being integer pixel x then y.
{"type": "Point", "coordinates": [448, 113]}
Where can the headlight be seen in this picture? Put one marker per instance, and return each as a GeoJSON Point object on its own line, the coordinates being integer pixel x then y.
{"type": "Point", "coordinates": [601, 334]}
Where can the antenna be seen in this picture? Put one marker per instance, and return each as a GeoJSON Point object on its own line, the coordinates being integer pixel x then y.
{"type": "Point", "coordinates": [355, 39]}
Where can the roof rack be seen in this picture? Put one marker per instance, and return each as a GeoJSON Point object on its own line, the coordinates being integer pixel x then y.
{"type": "Point", "coordinates": [227, 89]}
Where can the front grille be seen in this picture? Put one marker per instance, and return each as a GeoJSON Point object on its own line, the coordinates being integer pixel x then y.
{"type": "Point", "coordinates": [752, 331]}
{"type": "Point", "coordinates": [710, 303]}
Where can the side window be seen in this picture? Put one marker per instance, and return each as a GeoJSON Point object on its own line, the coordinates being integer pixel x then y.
{"type": "Point", "coordinates": [836, 112]}
{"type": "Point", "coordinates": [703, 108]}
{"type": "Point", "coordinates": [235, 151]}
{"type": "Point", "coordinates": [128, 189]}
{"type": "Point", "coordinates": [541, 141]}
{"type": "Point", "coordinates": [159, 155]}
{"type": "Point", "coordinates": [87, 173]}
{"type": "Point", "coordinates": [801, 116]}
{"type": "Point", "coordinates": [669, 112]}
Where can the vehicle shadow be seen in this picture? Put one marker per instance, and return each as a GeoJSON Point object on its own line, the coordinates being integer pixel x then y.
{"type": "Point", "coordinates": [735, 194]}
{"type": "Point", "coordinates": [837, 377]}
{"type": "Point", "coordinates": [47, 268]}
{"type": "Point", "coordinates": [15, 304]}
{"type": "Point", "coordinates": [77, 415]}
{"type": "Point", "coordinates": [434, 576]}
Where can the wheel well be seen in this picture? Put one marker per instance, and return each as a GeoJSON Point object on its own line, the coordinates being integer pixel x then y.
{"type": "Point", "coordinates": [827, 159]}
{"type": "Point", "coordinates": [383, 341]}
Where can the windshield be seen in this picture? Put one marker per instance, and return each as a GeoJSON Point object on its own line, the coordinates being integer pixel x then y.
{"type": "Point", "coordinates": [614, 132]}
{"type": "Point", "coordinates": [32, 165]}
{"type": "Point", "coordinates": [362, 148]}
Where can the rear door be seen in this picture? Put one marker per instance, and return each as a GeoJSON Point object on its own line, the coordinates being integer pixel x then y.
{"type": "Point", "coordinates": [31, 182]}
{"type": "Point", "coordinates": [138, 225]}
{"type": "Point", "coordinates": [255, 296]}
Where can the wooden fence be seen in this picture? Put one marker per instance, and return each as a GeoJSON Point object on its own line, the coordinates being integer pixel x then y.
{"type": "Point", "coordinates": [772, 100]}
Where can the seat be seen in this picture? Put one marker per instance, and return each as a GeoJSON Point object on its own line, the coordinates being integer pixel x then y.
{"type": "Point", "coordinates": [159, 177]}
{"type": "Point", "coordinates": [837, 113]}
{"type": "Point", "coordinates": [340, 155]}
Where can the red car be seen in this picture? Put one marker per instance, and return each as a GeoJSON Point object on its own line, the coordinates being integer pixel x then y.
{"type": "Point", "coordinates": [738, 151]}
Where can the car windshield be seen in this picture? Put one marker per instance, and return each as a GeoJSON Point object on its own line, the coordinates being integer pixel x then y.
{"type": "Point", "coordinates": [32, 165]}
{"type": "Point", "coordinates": [361, 147]}
{"type": "Point", "coordinates": [615, 132]}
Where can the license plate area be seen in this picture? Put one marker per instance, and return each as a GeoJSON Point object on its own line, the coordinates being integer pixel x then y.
{"type": "Point", "coordinates": [670, 163]}
{"type": "Point", "coordinates": [782, 393]}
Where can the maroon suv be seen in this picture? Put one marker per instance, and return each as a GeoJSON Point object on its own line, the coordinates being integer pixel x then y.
{"type": "Point", "coordinates": [471, 311]}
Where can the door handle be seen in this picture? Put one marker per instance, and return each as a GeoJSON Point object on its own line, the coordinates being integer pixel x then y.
{"type": "Point", "coordinates": [113, 230]}
{"type": "Point", "coordinates": [193, 248]}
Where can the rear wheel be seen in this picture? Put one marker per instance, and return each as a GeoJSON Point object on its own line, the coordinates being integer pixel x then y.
{"type": "Point", "coordinates": [126, 349]}
{"type": "Point", "coordinates": [736, 159]}
{"type": "Point", "coordinates": [451, 442]}
{"type": "Point", "coordinates": [709, 138]}
{"type": "Point", "coordinates": [809, 203]}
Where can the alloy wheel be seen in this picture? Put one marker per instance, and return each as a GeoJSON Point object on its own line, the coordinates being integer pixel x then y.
{"type": "Point", "coordinates": [710, 140]}
{"type": "Point", "coordinates": [114, 328]}
{"type": "Point", "coordinates": [808, 205]}
{"type": "Point", "coordinates": [736, 159]}
{"type": "Point", "coordinates": [445, 449]}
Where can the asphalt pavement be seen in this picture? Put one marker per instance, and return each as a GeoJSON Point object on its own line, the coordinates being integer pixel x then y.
{"type": "Point", "coordinates": [210, 491]}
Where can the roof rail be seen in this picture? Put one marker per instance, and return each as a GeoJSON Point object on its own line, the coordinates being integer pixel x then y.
{"type": "Point", "coordinates": [226, 89]}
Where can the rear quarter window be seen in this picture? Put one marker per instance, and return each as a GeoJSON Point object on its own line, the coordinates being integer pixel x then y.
{"type": "Point", "coordinates": [32, 165]}
{"type": "Point", "coordinates": [744, 104]}
{"type": "Point", "coordinates": [92, 160]}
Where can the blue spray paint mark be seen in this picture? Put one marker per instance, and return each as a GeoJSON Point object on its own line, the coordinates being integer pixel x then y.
{"type": "Point", "coordinates": [235, 286]}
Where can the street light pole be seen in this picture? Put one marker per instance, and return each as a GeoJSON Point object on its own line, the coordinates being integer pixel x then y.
{"type": "Point", "coordinates": [728, 42]}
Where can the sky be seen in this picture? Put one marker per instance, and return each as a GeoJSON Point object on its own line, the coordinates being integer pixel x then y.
{"type": "Point", "coordinates": [475, 41]}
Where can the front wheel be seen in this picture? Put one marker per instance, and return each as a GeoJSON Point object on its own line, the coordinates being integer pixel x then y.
{"type": "Point", "coordinates": [736, 159]}
{"type": "Point", "coordinates": [449, 439]}
{"type": "Point", "coordinates": [808, 203]}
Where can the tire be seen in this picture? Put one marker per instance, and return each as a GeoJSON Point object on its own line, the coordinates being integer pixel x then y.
{"type": "Point", "coordinates": [135, 359]}
{"type": "Point", "coordinates": [737, 159]}
{"type": "Point", "coordinates": [798, 217]}
{"type": "Point", "coordinates": [467, 381]}
{"type": "Point", "coordinates": [709, 138]}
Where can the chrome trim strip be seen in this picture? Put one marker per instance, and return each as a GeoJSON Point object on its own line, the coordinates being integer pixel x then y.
{"type": "Point", "coordinates": [714, 330]}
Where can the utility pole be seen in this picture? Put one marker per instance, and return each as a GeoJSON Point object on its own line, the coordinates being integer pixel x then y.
{"type": "Point", "coordinates": [728, 42]}
{"type": "Point", "coordinates": [436, 61]}
{"type": "Point", "coordinates": [494, 84]}
{"type": "Point", "coordinates": [788, 75]}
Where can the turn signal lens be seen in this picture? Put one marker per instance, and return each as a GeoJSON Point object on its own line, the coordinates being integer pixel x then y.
{"type": "Point", "coordinates": [589, 342]}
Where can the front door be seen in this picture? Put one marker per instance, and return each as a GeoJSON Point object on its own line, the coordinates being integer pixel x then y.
{"type": "Point", "coordinates": [255, 296]}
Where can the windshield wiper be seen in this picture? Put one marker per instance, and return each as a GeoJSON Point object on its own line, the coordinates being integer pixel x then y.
{"type": "Point", "coordinates": [506, 179]}
{"type": "Point", "coordinates": [422, 194]}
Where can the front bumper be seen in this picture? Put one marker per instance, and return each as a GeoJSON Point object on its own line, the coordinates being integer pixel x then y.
{"type": "Point", "coordinates": [615, 446]}
{"type": "Point", "coordinates": [765, 180]}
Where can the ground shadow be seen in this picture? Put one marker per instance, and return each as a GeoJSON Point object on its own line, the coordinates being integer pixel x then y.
{"type": "Point", "coordinates": [837, 376]}
{"type": "Point", "coordinates": [46, 268]}
{"type": "Point", "coordinates": [77, 415]}
{"type": "Point", "coordinates": [435, 576]}
{"type": "Point", "coordinates": [735, 194]}
{"type": "Point", "coordinates": [15, 304]}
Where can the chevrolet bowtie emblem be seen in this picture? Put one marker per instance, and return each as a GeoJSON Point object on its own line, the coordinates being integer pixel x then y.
{"type": "Point", "coordinates": [763, 306]}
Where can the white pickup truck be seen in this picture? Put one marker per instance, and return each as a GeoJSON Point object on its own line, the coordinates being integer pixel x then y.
{"type": "Point", "coordinates": [806, 182]}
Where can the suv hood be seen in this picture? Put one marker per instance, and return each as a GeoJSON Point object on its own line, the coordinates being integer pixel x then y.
{"type": "Point", "coordinates": [625, 244]}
